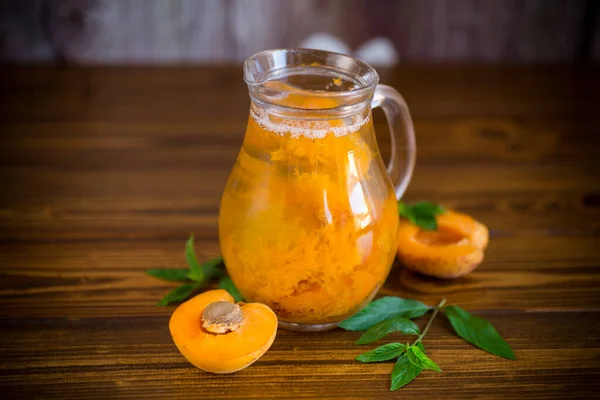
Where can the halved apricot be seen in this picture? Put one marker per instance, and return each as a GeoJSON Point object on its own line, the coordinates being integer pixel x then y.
{"type": "Point", "coordinates": [453, 250]}
{"type": "Point", "coordinates": [217, 335]}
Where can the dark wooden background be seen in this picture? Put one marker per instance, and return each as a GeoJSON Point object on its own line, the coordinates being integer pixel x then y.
{"type": "Point", "coordinates": [105, 171]}
{"type": "Point", "coordinates": [221, 31]}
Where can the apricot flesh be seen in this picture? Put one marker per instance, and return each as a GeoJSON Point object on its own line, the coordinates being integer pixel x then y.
{"type": "Point", "coordinates": [453, 250]}
{"type": "Point", "coordinates": [226, 352]}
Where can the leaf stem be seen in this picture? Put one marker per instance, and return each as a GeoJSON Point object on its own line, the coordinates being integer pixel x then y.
{"type": "Point", "coordinates": [436, 310]}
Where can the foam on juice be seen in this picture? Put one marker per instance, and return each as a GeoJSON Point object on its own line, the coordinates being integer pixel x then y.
{"type": "Point", "coordinates": [309, 129]}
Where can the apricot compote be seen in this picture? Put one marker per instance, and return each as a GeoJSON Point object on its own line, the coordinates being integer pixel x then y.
{"type": "Point", "coordinates": [308, 221]}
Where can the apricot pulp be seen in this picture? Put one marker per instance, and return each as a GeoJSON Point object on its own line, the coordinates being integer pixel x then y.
{"type": "Point", "coordinates": [453, 250]}
{"type": "Point", "coordinates": [217, 335]}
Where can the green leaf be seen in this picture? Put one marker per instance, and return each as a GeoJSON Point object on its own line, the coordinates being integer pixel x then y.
{"type": "Point", "coordinates": [382, 353]}
{"type": "Point", "coordinates": [422, 214]}
{"type": "Point", "coordinates": [426, 222]}
{"type": "Point", "coordinates": [403, 210]}
{"type": "Point", "coordinates": [381, 329]}
{"type": "Point", "coordinates": [404, 372]}
{"type": "Point", "coordinates": [179, 294]}
{"type": "Point", "coordinates": [416, 356]}
{"type": "Point", "coordinates": [196, 273]}
{"type": "Point", "coordinates": [420, 345]}
{"type": "Point", "coordinates": [211, 267]}
{"type": "Point", "coordinates": [478, 332]}
{"type": "Point", "coordinates": [427, 208]}
{"type": "Point", "coordinates": [169, 274]}
{"type": "Point", "coordinates": [227, 284]}
{"type": "Point", "coordinates": [382, 309]}
{"type": "Point", "coordinates": [200, 272]}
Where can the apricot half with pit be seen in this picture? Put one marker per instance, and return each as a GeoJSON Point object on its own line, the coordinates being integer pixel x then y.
{"type": "Point", "coordinates": [217, 335]}
{"type": "Point", "coordinates": [453, 250]}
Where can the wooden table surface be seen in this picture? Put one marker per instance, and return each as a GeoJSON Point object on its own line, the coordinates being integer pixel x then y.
{"type": "Point", "coordinates": [105, 172]}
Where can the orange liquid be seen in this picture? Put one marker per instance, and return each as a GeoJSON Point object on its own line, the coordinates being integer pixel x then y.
{"type": "Point", "coordinates": [308, 226]}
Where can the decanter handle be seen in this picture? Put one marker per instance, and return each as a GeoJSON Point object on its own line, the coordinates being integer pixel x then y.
{"type": "Point", "coordinates": [404, 151]}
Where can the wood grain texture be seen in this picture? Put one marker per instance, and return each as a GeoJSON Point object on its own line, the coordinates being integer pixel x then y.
{"type": "Point", "coordinates": [105, 171]}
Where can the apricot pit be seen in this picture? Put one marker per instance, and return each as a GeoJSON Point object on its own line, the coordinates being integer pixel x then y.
{"type": "Point", "coordinates": [217, 335]}
{"type": "Point", "coordinates": [222, 317]}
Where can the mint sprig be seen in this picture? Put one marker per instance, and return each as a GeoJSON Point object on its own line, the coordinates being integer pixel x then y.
{"type": "Point", "coordinates": [382, 329]}
{"type": "Point", "coordinates": [404, 372]}
{"type": "Point", "coordinates": [195, 277]}
{"type": "Point", "coordinates": [423, 214]}
{"type": "Point", "coordinates": [382, 309]}
{"type": "Point", "coordinates": [169, 274]}
{"type": "Point", "coordinates": [382, 353]}
{"type": "Point", "coordinates": [179, 294]}
{"type": "Point", "coordinates": [420, 359]}
{"type": "Point", "coordinates": [478, 332]}
{"type": "Point", "coordinates": [196, 271]}
{"type": "Point", "coordinates": [227, 284]}
{"type": "Point", "coordinates": [411, 359]}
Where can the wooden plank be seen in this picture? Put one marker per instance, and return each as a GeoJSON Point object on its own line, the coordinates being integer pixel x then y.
{"type": "Point", "coordinates": [105, 172]}
{"type": "Point", "coordinates": [106, 279]}
{"type": "Point", "coordinates": [149, 95]}
{"type": "Point", "coordinates": [134, 357]}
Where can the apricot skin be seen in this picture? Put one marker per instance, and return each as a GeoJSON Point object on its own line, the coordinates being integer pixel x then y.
{"type": "Point", "coordinates": [222, 353]}
{"type": "Point", "coordinates": [455, 250]}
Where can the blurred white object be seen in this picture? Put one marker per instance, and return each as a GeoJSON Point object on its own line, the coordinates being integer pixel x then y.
{"type": "Point", "coordinates": [378, 51]}
{"type": "Point", "coordinates": [325, 41]}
